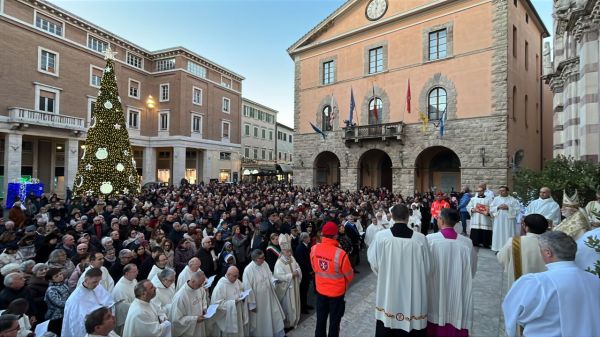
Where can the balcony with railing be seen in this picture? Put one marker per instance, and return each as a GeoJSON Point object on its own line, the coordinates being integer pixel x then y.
{"type": "Point", "coordinates": [23, 117]}
{"type": "Point", "coordinates": [383, 132]}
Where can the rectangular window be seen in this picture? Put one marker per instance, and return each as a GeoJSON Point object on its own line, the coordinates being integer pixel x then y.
{"type": "Point", "coordinates": [328, 72]}
{"type": "Point", "coordinates": [437, 45]}
{"type": "Point", "coordinates": [48, 61]}
{"type": "Point", "coordinates": [96, 44]}
{"type": "Point", "coordinates": [514, 44]}
{"type": "Point", "coordinates": [264, 134]}
{"type": "Point", "coordinates": [196, 69]}
{"type": "Point", "coordinates": [165, 64]}
{"type": "Point", "coordinates": [279, 155]}
{"type": "Point", "coordinates": [526, 56]}
{"type": "Point", "coordinates": [247, 130]}
{"type": "Point", "coordinates": [225, 130]}
{"type": "Point", "coordinates": [50, 25]}
{"type": "Point", "coordinates": [285, 156]}
{"type": "Point", "coordinates": [264, 154]}
{"type": "Point", "coordinates": [196, 123]}
{"type": "Point", "coordinates": [164, 92]}
{"type": "Point", "coordinates": [375, 60]}
{"type": "Point", "coordinates": [91, 106]}
{"type": "Point", "coordinates": [134, 60]}
{"type": "Point", "coordinates": [197, 96]}
{"type": "Point", "coordinates": [256, 132]}
{"type": "Point", "coordinates": [133, 119]}
{"type": "Point", "coordinates": [255, 154]}
{"type": "Point", "coordinates": [270, 135]}
{"type": "Point", "coordinates": [163, 121]}
{"type": "Point", "coordinates": [284, 137]}
{"type": "Point", "coordinates": [246, 111]}
{"type": "Point", "coordinates": [134, 89]}
{"type": "Point", "coordinates": [290, 138]}
{"type": "Point", "coordinates": [270, 155]}
{"type": "Point", "coordinates": [247, 152]}
{"type": "Point", "coordinates": [95, 76]}
{"type": "Point", "coordinates": [225, 156]}
{"type": "Point", "coordinates": [226, 104]}
{"type": "Point", "coordinates": [226, 82]}
{"type": "Point", "coordinates": [47, 101]}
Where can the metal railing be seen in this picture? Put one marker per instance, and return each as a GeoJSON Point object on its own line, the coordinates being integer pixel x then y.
{"type": "Point", "coordinates": [374, 131]}
{"type": "Point", "coordinates": [36, 117]}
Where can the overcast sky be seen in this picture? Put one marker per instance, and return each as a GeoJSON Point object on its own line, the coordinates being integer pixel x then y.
{"type": "Point", "coordinates": [250, 37]}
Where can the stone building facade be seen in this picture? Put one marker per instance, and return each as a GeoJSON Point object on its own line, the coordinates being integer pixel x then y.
{"type": "Point", "coordinates": [574, 78]}
{"type": "Point", "coordinates": [258, 140]}
{"type": "Point", "coordinates": [473, 69]}
{"type": "Point", "coordinates": [51, 66]}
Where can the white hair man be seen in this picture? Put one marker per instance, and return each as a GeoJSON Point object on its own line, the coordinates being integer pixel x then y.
{"type": "Point", "coordinates": [123, 294]}
{"type": "Point", "coordinates": [189, 306]}
{"type": "Point", "coordinates": [227, 294]}
{"type": "Point", "coordinates": [193, 266]}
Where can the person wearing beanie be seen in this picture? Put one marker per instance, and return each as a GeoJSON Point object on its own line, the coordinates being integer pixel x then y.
{"type": "Point", "coordinates": [333, 274]}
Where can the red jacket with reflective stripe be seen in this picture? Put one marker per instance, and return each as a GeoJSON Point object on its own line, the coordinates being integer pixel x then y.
{"type": "Point", "coordinates": [333, 272]}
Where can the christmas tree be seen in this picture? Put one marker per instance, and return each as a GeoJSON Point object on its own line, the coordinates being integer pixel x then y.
{"type": "Point", "coordinates": [107, 166]}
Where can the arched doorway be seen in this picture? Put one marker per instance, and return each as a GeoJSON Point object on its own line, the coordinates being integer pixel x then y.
{"type": "Point", "coordinates": [375, 169]}
{"type": "Point", "coordinates": [326, 169]}
{"type": "Point", "coordinates": [437, 168]}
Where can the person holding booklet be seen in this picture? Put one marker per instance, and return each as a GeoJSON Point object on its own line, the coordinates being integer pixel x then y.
{"type": "Point", "coordinates": [189, 306]}
{"type": "Point", "coordinates": [232, 319]}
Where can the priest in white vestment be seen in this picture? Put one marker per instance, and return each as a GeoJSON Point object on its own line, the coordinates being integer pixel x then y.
{"type": "Point", "coordinates": [593, 211]}
{"type": "Point", "coordinates": [160, 265]}
{"type": "Point", "coordinates": [481, 223]}
{"type": "Point", "coordinates": [189, 306]}
{"type": "Point", "coordinates": [587, 257]}
{"type": "Point", "coordinates": [450, 284]}
{"type": "Point", "coordinates": [143, 318]}
{"type": "Point", "coordinates": [378, 224]}
{"type": "Point", "coordinates": [97, 261]}
{"type": "Point", "coordinates": [562, 301]}
{"type": "Point", "coordinates": [399, 256]}
{"type": "Point", "coordinates": [232, 319]}
{"type": "Point", "coordinates": [165, 290]}
{"type": "Point", "coordinates": [545, 206]}
{"type": "Point", "coordinates": [525, 250]}
{"type": "Point", "coordinates": [504, 209]}
{"type": "Point", "coordinates": [88, 296]}
{"type": "Point", "coordinates": [123, 294]}
{"type": "Point", "coordinates": [288, 274]}
{"type": "Point", "coordinates": [266, 314]}
{"type": "Point", "coordinates": [193, 266]}
{"type": "Point", "coordinates": [100, 323]}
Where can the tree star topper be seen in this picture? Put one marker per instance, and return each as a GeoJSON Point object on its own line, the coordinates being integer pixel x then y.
{"type": "Point", "coordinates": [109, 54]}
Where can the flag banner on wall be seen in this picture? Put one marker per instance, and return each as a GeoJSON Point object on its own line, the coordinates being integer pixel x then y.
{"type": "Point", "coordinates": [319, 131]}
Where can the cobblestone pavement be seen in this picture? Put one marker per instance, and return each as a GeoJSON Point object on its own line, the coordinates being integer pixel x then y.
{"type": "Point", "coordinates": [488, 291]}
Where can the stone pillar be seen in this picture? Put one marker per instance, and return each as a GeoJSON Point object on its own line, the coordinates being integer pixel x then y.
{"type": "Point", "coordinates": [349, 178]}
{"type": "Point", "coordinates": [178, 164]}
{"type": "Point", "coordinates": [71, 160]}
{"type": "Point", "coordinates": [12, 158]}
{"type": "Point", "coordinates": [206, 166]}
{"type": "Point", "coordinates": [149, 167]}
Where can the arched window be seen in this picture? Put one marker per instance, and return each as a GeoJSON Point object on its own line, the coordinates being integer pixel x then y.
{"type": "Point", "coordinates": [437, 103]}
{"type": "Point", "coordinates": [514, 103]}
{"type": "Point", "coordinates": [326, 119]}
{"type": "Point", "coordinates": [526, 103]}
{"type": "Point", "coordinates": [375, 115]}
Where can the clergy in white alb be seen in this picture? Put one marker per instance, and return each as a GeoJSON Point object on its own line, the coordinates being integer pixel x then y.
{"type": "Point", "coordinates": [399, 256]}
{"type": "Point", "coordinates": [123, 294]}
{"type": "Point", "coordinates": [88, 296]}
{"type": "Point", "coordinates": [266, 314]}
{"type": "Point", "coordinates": [288, 274]}
{"type": "Point", "coordinates": [593, 211]}
{"type": "Point", "coordinates": [481, 223]}
{"type": "Point", "coordinates": [189, 306]}
{"type": "Point", "coordinates": [587, 257]}
{"type": "Point", "coordinates": [164, 282]}
{"type": "Point", "coordinates": [545, 206]}
{"type": "Point", "coordinates": [100, 323]}
{"type": "Point", "coordinates": [562, 301]}
{"type": "Point", "coordinates": [378, 223]}
{"type": "Point", "coordinates": [143, 318]}
{"type": "Point", "coordinates": [521, 254]}
{"type": "Point", "coordinates": [450, 291]}
{"type": "Point", "coordinates": [504, 209]}
{"type": "Point", "coordinates": [97, 261]}
{"type": "Point", "coordinates": [232, 319]}
{"type": "Point", "coordinates": [159, 265]}
{"type": "Point", "coordinates": [192, 267]}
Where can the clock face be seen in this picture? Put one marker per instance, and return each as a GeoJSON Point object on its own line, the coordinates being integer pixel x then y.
{"type": "Point", "coordinates": [375, 9]}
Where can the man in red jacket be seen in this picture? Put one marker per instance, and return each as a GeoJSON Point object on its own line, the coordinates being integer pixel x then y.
{"type": "Point", "coordinates": [333, 274]}
{"type": "Point", "coordinates": [436, 208]}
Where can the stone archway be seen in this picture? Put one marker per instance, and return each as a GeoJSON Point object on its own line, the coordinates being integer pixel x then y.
{"type": "Point", "coordinates": [326, 169]}
{"type": "Point", "coordinates": [375, 169]}
{"type": "Point", "coordinates": [437, 168]}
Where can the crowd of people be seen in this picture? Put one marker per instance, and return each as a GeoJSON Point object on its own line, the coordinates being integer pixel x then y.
{"type": "Point", "coordinates": [227, 259]}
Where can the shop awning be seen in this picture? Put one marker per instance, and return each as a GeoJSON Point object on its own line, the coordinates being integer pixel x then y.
{"type": "Point", "coordinates": [283, 168]}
